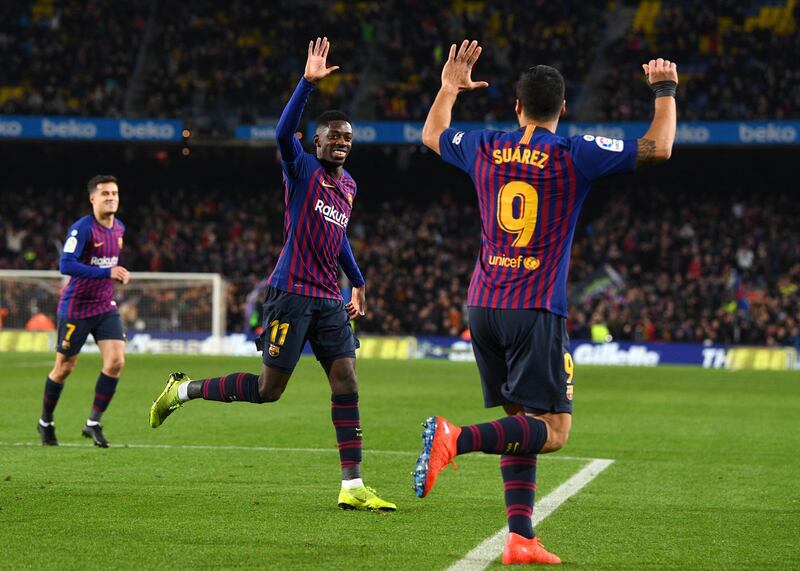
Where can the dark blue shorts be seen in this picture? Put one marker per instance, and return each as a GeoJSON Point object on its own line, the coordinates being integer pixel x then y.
{"type": "Point", "coordinates": [290, 320]}
{"type": "Point", "coordinates": [523, 358]}
{"type": "Point", "coordinates": [72, 333]}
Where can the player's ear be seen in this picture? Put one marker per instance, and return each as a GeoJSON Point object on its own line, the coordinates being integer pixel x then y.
{"type": "Point", "coordinates": [563, 108]}
{"type": "Point", "coordinates": [518, 107]}
{"type": "Point", "coordinates": [316, 140]}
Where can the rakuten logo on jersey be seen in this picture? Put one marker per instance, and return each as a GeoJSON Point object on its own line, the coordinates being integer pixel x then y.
{"type": "Point", "coordinates": [104, 261]}
{"type": "Point", "coordinates": [331, 214]}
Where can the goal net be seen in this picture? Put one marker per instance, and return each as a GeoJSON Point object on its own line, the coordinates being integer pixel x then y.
{"type": "Point", "coordinates": [188, 305]}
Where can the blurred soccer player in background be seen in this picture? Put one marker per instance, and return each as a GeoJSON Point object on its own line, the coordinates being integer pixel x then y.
{"type": "Point", "coordinates": [90, 257]}
{"type": "Point", "coordinates": [531, 184]}
{"type": "Point", "coordinates": [303, 301]}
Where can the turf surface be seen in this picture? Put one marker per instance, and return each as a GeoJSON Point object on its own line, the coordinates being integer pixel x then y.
{"type": "Point", "coordinates": [704, 477]}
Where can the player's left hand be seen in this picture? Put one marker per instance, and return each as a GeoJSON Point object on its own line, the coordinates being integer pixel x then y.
{"type": "Point", "coordinates": [316, 64]}
{"type": "Point", "coordinates": [358, 303]}
{"type": "Point", "coordinates": [457, 71]}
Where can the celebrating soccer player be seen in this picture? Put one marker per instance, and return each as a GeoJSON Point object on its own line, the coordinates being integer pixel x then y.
{"type": "Point", "coordinates": [90, 257]}
{"type": "Point", "coordinates": [303, 300]}
{"type": "Point", "coordinates": [531, 184]}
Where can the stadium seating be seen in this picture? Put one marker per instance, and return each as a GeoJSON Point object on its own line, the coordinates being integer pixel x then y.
{"type": "Point", "coordinates": [65, 57]}
{"type": "Point", "coordinates": [218, 65]}
{"type": "Point", "coordinates": [723, 271]}
{"type": "Point", "coordinates": [736, 60]}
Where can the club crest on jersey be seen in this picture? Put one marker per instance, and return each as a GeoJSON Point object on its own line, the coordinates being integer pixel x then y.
{"type": "Point", "coordinates": [65, 344]}
{"type": "Point", "coordinates": [119, 242]}
{"type": "Point", "coordinates": [273, 350]}
{"type": "Point", "coordinates": [570, 389]}
{"type": "Point", "coordinates": [350, 199]}
{"type": "Point", "coordinates": [331, 214]}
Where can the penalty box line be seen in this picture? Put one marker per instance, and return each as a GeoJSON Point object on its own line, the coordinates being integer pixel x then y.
{"type": "Point", "coordinates": [367, 451]}
{"type": "Point", "coordinates": [487, 551]}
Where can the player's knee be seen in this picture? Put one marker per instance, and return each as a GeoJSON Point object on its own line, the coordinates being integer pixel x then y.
{"type": "Point", "coordinates": [344, 382]}
{"type": "Point", "coordinates": [62, 370]}
{"type": "Point", "coordinates": [114, 365]}
{"type": "Point", "coordinates": [270, 393]}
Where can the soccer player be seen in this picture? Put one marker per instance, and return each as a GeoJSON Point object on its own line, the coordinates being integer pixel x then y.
{"type": "Point", "coordinates": [303, 300]}
{"type": "Point", "coordinates": [90, 257]}
{"type": "Point", "coordinates": [531, 184]}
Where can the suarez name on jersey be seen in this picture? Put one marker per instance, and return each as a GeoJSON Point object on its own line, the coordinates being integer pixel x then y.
{"type": "Point", "coordinates": [531, 185]}
{"type": "Point", "coordinates": [90, 251]}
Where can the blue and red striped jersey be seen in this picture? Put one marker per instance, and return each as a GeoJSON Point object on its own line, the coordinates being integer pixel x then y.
{"type": "Point", "coordinates": [531, 185]}
{"type": "Point", "coordinates": [318, 207]}
{"type": "Point", "coordinates": [90, 251]}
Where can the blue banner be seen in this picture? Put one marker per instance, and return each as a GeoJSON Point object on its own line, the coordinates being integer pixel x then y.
{"type": "Point", "coordinates": [89, 129]}
{"type": "Point", "coordinates": [689, 132]}
{"type": "Point", "coordinates": [638, 354]}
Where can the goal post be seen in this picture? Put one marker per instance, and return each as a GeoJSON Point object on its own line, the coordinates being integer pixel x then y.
{"type": "Point", "coordinates": [191, 304]}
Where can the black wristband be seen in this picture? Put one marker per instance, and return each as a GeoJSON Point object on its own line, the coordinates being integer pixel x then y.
{"type": "Point", "coordinates": [664, 88]}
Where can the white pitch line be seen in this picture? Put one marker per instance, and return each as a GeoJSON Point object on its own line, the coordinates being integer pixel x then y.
{"type": "Point", "coordinates": [261, 449]}
{"type": "Point", "coordinates": [485, 553]}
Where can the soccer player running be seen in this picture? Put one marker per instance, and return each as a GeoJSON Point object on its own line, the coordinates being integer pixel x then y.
{"type": "Point", "coordinates": [531, 184]}
{"type": "Point", "coordinates": [90, 257]}
{"type": "Point", "coordinates": [303, 300]}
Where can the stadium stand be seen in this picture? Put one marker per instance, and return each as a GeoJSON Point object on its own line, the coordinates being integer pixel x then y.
{"type": "Point", "coordinates": [218, 65]}
{"type": "Point", "coordinates": [65, 57]}
{"type": "Point", "coordinates": [737, 60]}
{"type": "Point", "coordinates": [647, 266]}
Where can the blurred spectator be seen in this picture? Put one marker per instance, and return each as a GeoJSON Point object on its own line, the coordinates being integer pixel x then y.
{"type": "Point", "coordinates": [66, 57]}
{"type": "Point", "coordinates": [215, 65]}
{"type": "Point", "coordinates": [730, 65]}
{"type": "Point", "coordinates": [647, 268]}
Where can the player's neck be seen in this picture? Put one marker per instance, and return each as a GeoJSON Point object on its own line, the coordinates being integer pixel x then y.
{"type": "Point", "coordinates": [333, 170]}
{"type": "Point", "coordinates": [549, 125]}
{"type": "Point", "coordinates": [106, 220]}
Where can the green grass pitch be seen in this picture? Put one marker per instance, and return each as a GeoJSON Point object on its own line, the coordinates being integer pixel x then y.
{"type": "Point", "coordinates": [705, 472]}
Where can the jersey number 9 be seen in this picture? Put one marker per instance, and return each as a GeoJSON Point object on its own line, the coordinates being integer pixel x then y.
{"type": "Point", "coordinates": [523, 221]}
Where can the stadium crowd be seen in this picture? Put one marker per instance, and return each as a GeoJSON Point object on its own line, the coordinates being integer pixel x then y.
{"type": "Point", "coordinates": [646, 268]}
{"type": "Point", "coordinates": [416, 42]}
{"type": "Point", "coordinates": [68, 57]}
{"type": "Point", "coordinates": [215, 65]}
{"type": "Point", "coordinates": [219, 65]}
{"type": "Point", "coordinates": [737, 61]}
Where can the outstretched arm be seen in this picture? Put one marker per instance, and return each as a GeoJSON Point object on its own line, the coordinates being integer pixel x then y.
{"type": "Point", "coordinates": [656, 144]}
{"type": "Point", "coordinates": [456, 77]}
{"type": "Point", "coordinates": [316, 69]}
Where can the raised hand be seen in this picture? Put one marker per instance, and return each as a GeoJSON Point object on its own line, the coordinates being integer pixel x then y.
{"type": "Point", "coordinates": [457, 72]}
{"type": "Point", "coordinates": [660, 70]}
{"type": "Point", "coordinates": [316, 66]}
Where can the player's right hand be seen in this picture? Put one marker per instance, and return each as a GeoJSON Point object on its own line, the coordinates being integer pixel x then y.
{"type": "Point", "coordinates": [457, 71]}
{"type": "Point", "coordinates": [660, 70]}
{"type": "Point", "coordinates": [120, 274]}
{"type": "Point", "coordinates": [316, 65]}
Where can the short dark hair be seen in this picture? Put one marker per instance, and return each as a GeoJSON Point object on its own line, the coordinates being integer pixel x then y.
{"type": "Point", "coordinates": [330, 116]}
{"type": "Point", "coordinates": [541, 89]}
{"type": "Point", "coordinates": [91, 186]}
